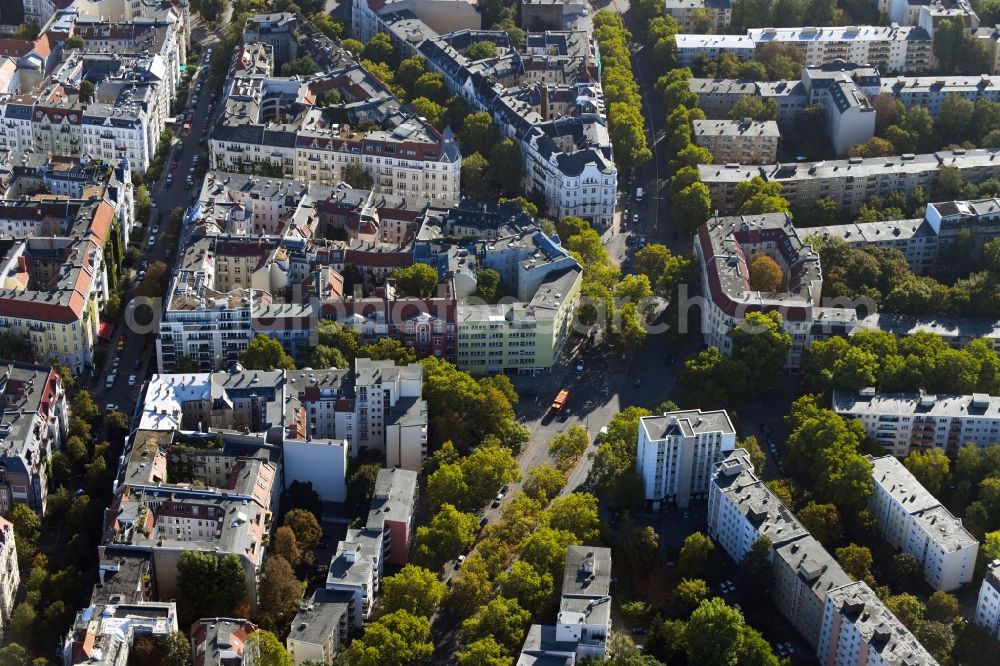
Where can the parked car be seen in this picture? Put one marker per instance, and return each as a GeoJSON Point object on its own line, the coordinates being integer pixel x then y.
{"type": "Point", "coordinates": [498, 500]}
{"type": "Point", "coordinates": [579, 366]}
{"type": "Point", "coordinates": [111, 407]}
{"type": "Point", "coordinates": [155, 230]}
{"type": "Point", "coordinates": [460, 561]}
{"type": "Point", "coordinates": [131, 380]}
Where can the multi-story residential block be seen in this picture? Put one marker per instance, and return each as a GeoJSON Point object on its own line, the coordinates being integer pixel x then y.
{"type": "Point", "coordinates": [439, 16]}
{"type": "Point", "coordinates": [990, 38]}
{"type": "Point", "coordinates": [977, 220]}
{"type": "Point", "coordinates": [744, 141]}
{"type": "Point", "coordinates": [219, 641]}
{"type": "Point", "coordinates": [901, 422]}
{"type": "Point", "coordinates": [988, 603]}
{"type": "Point", "coordinates": [390, 414]}
{"type": "Point", "coordinates": [858, 630]}
{"type": "Point", "coordinates": [928, 14]}
{"type": "Point", "coordinates": [275, 121]}
{"type": "Point", "coordinates": [393, 504]}
{"type": "Point", "coordinates": [849, 182]}
{"type": "Point", "coordinates": [692, 47]}
{"type": "Point", "coordinates": [10, 575]}
{"type": "Point", "coordinates": [320, 627]}
{"type": "Point", "coordinates": [691, 13]}
{"type": "Point", "coordinates": [276, 31]}
{"type": "Point", "coordinates": [931, 92]}
{"type": "Point", "coordinates": [104, 635]}
{"type": "Point", "coordinates": [356, 568]}
{"type": "Point", "coordinates": [583, 625]}
{"type": "Point", "coordinates": [676, 454]}
{"type": "Point", "coordinates": [890, 49]}
{"type": "Point", "coordinates": [716, 97]}
{"type": "Point", "coordinates": [35, 424]}
{"type": "Point", "coordinates": [914, 522]}
{"type": "Point", "coordinates": [741, 508]}
{"type": "Point", "coordinates": [915, 239]}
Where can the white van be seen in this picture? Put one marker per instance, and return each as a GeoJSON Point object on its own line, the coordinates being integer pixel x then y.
{"type": "Point", "coordinates": [110, 381]}
{"type": "Point", "coordinates": [638, 194]}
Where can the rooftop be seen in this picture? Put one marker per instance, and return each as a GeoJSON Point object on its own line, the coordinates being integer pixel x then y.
{"type": "Point", "coordinates": [686, 424]}
{"type": "Point", "coordinates": [320, 616]}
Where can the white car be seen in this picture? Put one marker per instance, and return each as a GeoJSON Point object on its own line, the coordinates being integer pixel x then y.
{"type": "Point", "coordinates": [579, 366]}
{"type": "Point", "coordinates": [459, 561]}
{"type": "Point", "coordinates": [152, 241]}
{"type": "Point", "coordinates": [131, 380]}
{"type": "Point", "coordinates": [155, 230]}
{"type": "Point", "coordinates": [111, 407]}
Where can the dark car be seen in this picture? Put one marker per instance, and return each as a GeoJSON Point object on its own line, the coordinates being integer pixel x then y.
{"type": "Point", "coordinates": [639, 631]}
{"type": "Point", "coordinates": [323, 544]}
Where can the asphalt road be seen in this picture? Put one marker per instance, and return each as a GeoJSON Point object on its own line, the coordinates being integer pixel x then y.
{"type": "Point", "coordinates": [140, 347]}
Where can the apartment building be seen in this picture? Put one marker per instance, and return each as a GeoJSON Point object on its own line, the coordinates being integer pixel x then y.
{"type": "Point", "coordinates": [915, 239]}
{"type": "Point", "coordinates": [859, 630]}
{"type": "Point", "coordinates": [10, 575]}
{"type": "Point", "coordinates": [977, 220]}
{"type": "Point", "coordinates": [719, 13]}
{"type": "Point", "coordinates": [439, 16]}
{"type": "Point", "coordinates": [583, 625]}
{"type": "Point", "coordinates": [914, 522]}
{"type": "Point", "coordinates": [390, 414]}
{"type": "Point", "coordinates": [356, 569]}
{"type": "Point", "coordinates": [275, 121]}
{"type": "Point", "coordinates": [929, 14]}
{"type": "Point", "coordinates": [716, 97]}
{"type": "Point", "coordinates": [742, 508]}
{"type": "Point", "coordinates": [104, 635]}
{"type": "Point", "coordinates": [393, 504]}
{"type": "Point", "coordinates": [903, 422]}
{"type": "Point", "coordinates": [677, 452]}
{"type": "Point", "coordinates": [988, 603]}
{"type": "Point", "coordinates": [219, 641]}
{"type": "Point", "coordinates": [849, 182]}
{"type": "Point", "coordinates": [890, 49]}
{"type": "Point", "coordinates": [319, 628]}
{"type": "Point", "coordinates": [35, 426]}
{"type": "Point", "coordinates": [990, 38]}
{"type": "Point", "coordinates": [931, 92]}
{"type": "Point", "coordinates": [744, 141]}
{"type": "Point", "coordinates": [276, 31]}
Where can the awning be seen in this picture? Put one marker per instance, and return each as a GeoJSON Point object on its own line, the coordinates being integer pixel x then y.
{"type": "Point", "coordinates": [105, 330]}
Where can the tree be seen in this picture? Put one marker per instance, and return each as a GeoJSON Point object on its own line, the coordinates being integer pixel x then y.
{"type": "Point", "coordinates": [354, 175]}
{"type": "Point", "coordinates": [84, 407]}
{"type": "Point", "coordinates": [285, 545]}
{"type": "Point", "coordinates": [378, 49]}
{"type": "Point", "coordinates": [507, 166]}
{"type": "Point", "coordinates": [449, 534]}
{"type": "Point", "coordinates": [954, 118]}
{"type": "Point", "coordinates": [692, 206]}
{"type": "Point", "coordinates": [480, 50]}
{"type": "Point", "coordinates": [576, 514]}
{"type": "Point", "coordinates": [710, 379]}
{"type": "Point", "coordinates": [489, 285]}
{"type": "Point", "coordinates": [502, 618]}
{"type": "Point", "coordinates": [414, 589]}
{"type": "Point", "coordinates": [694, 556]}
{"type": "Point", "coordinates": [761, 344]}
{"type": "Point", "coordinates": [208, 585]}
{"type": "Point", "coordinates": [328, 357]}
{"type": "Point", "coordinates": [568, 447]}
{"type": "Point", "coordinates": [714, 634]}
{"type": "Point", "coordinates": [937, 638]}
{"type": "Point", "coordinates": [353, 46]}
{"type": "Point", "coordinates": [856, 561]}
{"type": "Point", "coordinates": [264, 353]}
{"type": "Point", "coordinates": [476, 177]}
{"type": "Point", "coordinates": [930, 467]}
{"type": "Point", "coordinates": [395, 639]}
{"type": "Point", "coordinates": [27, 528]}
{"type": "Point", "coordinates": [757, 456]}
{"type": "Point", "coordinates": [280, 592]}
{"type": "Point", "coordinates": [641, 547]}
{"type": "Point", "coordinates": [822, 521]}
{"type": "Point", "coordinates": [447, 484]}
{"type": "Point", "coordinates": [430, 111]}
{"type": "Point", "coordinates": [478, 133]}
{"type": "Point", "coordinates": [484, 652]}
{"type": "Point", "coordinates": [531, 587]}
{"type": "Point", "coordinates": [689, 594]}
{"type": "Point", "coordinates": [543, 483]}
{"type": "Point", "coordinates": [13, 654]}
{"type": "Point", "coordinates": [942, 607]}
{"type": "Point", "coordinates": [874, 147]}
{"type": "Point", "coordinates": [755, 570]}
{"type": "Point", "coordinates": [418, 280]}
{"type": "Point", "coordinates": [545, 549]}
{"type": "Point", "coordinates": [765, 274]}
{"type": "Point", "coordinates": [306, 528]}
{"type": "Point", "coordinates": [907, 608]}
{"type": "Point", "coordinates": [755, 108]}
{"type": "Point", "coordinates": [327, 25]}
{"type": "Point", "coordinates": [489, 468]}
{"type": "Point", "coordinates": [267, 649]}
{"type": "Point", "coordinates": [949, 40]}
{"type": "Point", "coordinates": [303, 66]}
{"type": "Point", "coordinates": [430, 85]}
{"type": "Point", "coordinates": [905, 570]}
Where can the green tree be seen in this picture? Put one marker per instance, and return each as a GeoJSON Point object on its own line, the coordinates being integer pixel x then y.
{"type": "Point", "coordinates": [489, 468]}
{"type": "Point", "coordinates": [689, 594]}
{"type": "Point", "coordinates": [484, 652]}
{"type": "Point", "coordinates": [715, 634]}
{"type": "Point", "coordinates": [507, 166]}
{"type": "Point", "coordinates": [822, 521]}
{"type": "Point", "coordinates": [414, 589]}
{"type": "Point", "coordinates": [480, 50]}
{"type": "Point", "coordinates": [930, 467]}
{"type": "Point", "coordinates": [531, 587]}
{"type": "Point", "coordinates": [502, 618]}
{"type": "Point", "coordinates": [695, 555]}
{"type": "Point", "coordinates": [576, 514]}
{"type": "Point", "coordinates": [761, 345]}
{"type": "Point", "coordinates": [449, 534]}
{"type": "Point", "coordinates": [937, 638]}
{"type": "Point", "coordinates": [353, 46]}
{"type": "Point", "coordinates": [755, 108]}
{"type": "Point", "coordinates": [568, 447]}
{"type": "Point", "coordinates": [27, 529]}
{"type": "Point", "coordinates": [306, 528]}
{"type": "Point", "coordinates": [907, 608]}
{"type": "Point", "coordinates": [378, 49]}
{"type": "Point", "coordinates": [856, 561]}
{"type": "Point", "coordinates": [476, 177]}
{"type": "Point", "coordinates": [418, 280]}
{"type": "Point", "coordinates": [757, 456]}
{"type": "Point", "coordinates": [543, 483]}
{"type": "Point", "coordinates": [408, 72]}
{"type": "Point", "coordinates": [447, 485]}
{"type": "Point", "coordinates": [712, 380]}
{"type": "Point", "coordinates": [489, 285]}
{"type": "Point", "coordinates": [431, 111]}
{"type": "Point", "coordinates": [430, 85]}
{"type": "Point", "coordinates": [478, 133]}
{"type": "Point", "coordinates": [545, 549]}
{"type": "Point", "coordinates": [267, 648]}
{"type": "Point", "coordinates": [395, 639]}
{"type": "Point", "coordinates": [303, 66]}
{"type": "Point", "coordinates": [354, 175]}
{"type": "Point", "coordinates": [264, 353]}
{"type": "Point", "coordinates": [949, 40]}
{"type": "Point", "coordinates": [641, 547]}
{"type": "Point", "coordinates": [208, 585]}
{"type": "Point", "coordinates": [942, 607]}
{"type": "Point", "coordinates": [874, 147]}
{"type": "Point", "coordinates": [692, 206]}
